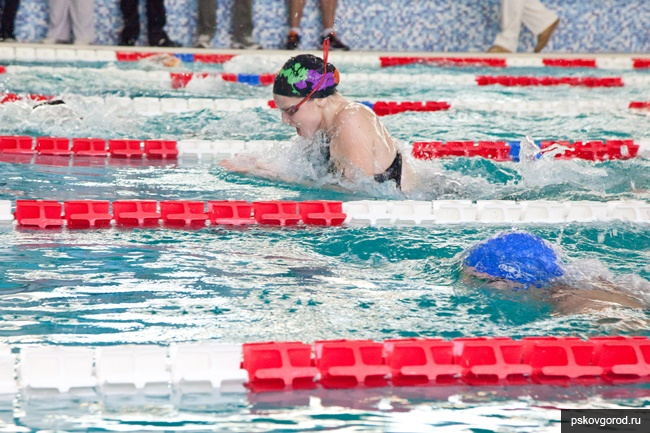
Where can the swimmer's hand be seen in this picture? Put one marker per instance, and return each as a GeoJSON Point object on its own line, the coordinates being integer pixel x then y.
{"type": "Point", "coordinates": [251, 165]}
{"type": "Point", "coordinates": [237, 165]}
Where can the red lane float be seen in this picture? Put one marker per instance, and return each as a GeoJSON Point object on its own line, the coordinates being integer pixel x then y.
{"type": "Point", "coordinates": [89, 147]}
{"type": "Point", "coordinates": [116, 148]}
{"type": "Point", "coordinates": [411, 361]}
{"type": "Point", "coordinates": [385, 108]}
{"type": "Point", "coordinates": [382, 108]}
{"type": "Point", "coordinates": [640, 105]}
{"type": "Point", "coordinates": [140, 213]}
{"type": "Point", "coordinates": [38, 213]}
{"type": "Point", "coordinates": [87, 213]}
{"type": "Point", "coordinates": [502, 151]}
{"type": "Point", "coordinates": [176, 213]}
{"type": "Point", "coordinates": [499, 62]}
{"type": "Point", "coordinates": [570, 63]}
{"type": "Point", "coordinates": [53, 146]}
{"type": "Point", "coordinates": [277, 366]}
{"type": "Point", "coordinates": [13, 97]}
{"type": "Point", "coordinates": [134, 56]}
{"type": "Point", "coordinates": [180, 80]}
{"type": "Point", "coordinates": [509, 81]}
{"type": "Point", "coordinates": [322, 213]}
{"type": "Point", "coordinates": [160, 149]}
{"type": "Point", "coordinates": [230, 212]}
{"type": "Point", "coordinates": [388, 61]}
{"type": "Point", "coordinates": [16, 144]}
{"type": "Point", "coordinates": [183, 213]}
{"type": "Point", "coordinates": [595, 150]}
{"type": "Point", "coordinates": [282, 213]}
{"type": "Point", "coordinates": [476, 361]}
{"type": "Point", "coordinates": [640, 63]}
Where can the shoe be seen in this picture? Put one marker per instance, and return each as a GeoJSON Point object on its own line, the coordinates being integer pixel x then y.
{"type": "Point", "coordinates": [335, 43]}
{"type": "Point", "coordinates": [130, 42]}
{"type": "Point", "coordinates": [9, 39]}
{"type": "Point", "coordinates": [247, 44]}
{"type": "Point", "coordinates": [497, 49]}
{"type": "Point", "coordinates": [51, 41]}
{"type": "Point", "coordinates": [293, 40]}
{"type": "Point", "coordinates": [203, 41]}
{"type": "Point", "coordinates": [165, 42]}
{"type": "Point", "coordinates": [543, 37]}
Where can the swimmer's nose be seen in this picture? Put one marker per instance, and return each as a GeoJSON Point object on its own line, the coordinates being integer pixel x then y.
{"type": "Point", "coordinates": [285, 118]}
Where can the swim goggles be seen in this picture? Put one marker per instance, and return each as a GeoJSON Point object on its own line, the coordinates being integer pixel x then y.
{"type": "Point", "coordinates": [290, 111]}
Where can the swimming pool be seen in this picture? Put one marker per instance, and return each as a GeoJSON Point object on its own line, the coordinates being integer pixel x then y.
{"type": "Point", "coordinates": [117, 286]}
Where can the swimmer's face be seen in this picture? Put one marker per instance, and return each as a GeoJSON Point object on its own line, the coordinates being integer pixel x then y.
{"type": "Point", "coordinates": [307, 120]}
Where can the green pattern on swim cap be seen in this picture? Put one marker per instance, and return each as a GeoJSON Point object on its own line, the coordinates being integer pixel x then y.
{"type": "Point", "coordinates": [296, 73]}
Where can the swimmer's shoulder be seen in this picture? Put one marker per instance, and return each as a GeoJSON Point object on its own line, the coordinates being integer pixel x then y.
{"type": "Point", "coordinates": [355, 114]}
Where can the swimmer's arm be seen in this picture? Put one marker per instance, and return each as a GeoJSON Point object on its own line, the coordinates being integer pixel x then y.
{"type": "Point", "coordinates": [249, 164]}
{"type": "Point", "coordinates": [262, 170]}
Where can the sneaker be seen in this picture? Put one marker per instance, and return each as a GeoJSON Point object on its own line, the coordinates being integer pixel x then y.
{"type": "Point", "coordinates": [335, 43]}
{"type": "Point", "coordinates": [52, 41]}
{"type": "Point", "coordinates": [247, 44]}
{"type": "Point", "coordinates": [203, 41]}
{"type": "Point", "coordinates": [9, 39]}
{"type": "Point", "coordinates": [130, 42]}
{"type": "Point", "coordinates": [293, 40]}
{"type": "Point", "coordinates": [165, 42]}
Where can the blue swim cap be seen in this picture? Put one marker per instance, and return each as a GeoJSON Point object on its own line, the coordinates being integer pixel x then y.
{"type": "Point", "coordinates": [518, 257]}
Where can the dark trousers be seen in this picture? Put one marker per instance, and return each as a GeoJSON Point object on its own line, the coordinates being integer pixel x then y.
{"type": "Point", "coordinates": [242, 19]}
{"type": "Point", "coordinates": [8, 11]}
{"type": "Point", "coordinates": [155, 20]}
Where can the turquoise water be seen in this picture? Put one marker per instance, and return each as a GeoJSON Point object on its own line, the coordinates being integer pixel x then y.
{"type": "Point", "coordinates": [114, 286]}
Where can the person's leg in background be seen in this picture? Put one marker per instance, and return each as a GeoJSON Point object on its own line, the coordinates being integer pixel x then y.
{"type": "Point", "coordinates": [328, 12]}
{"type": "Point", "coordinates": [511, 16]}
{"type": "Point", "coordinates": [82, 15]}
{"type": "Point", "coordinates": [8, 12]}
{"type": "Point", "coordinates": [58, 30]}
{"type": "Point", "coordinates": [206, 23]}
{"type": "Point", "coordinates": [131, 18]}
{"type": "Point", "coordinates": [540, 20]}
{"type": "Point", "coordinates": [295, 8]}
{"type": "Point", "coordinates": [242, 26]}
{"type": "Point", "coordinates": [156, 20]}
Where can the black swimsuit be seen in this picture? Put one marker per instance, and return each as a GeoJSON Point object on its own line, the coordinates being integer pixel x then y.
{"type": "Point", "coordinates": [393, 172]}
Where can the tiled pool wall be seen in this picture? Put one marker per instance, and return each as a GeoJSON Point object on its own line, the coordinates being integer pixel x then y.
{"type": "Point", "coordinates": [386, 25]}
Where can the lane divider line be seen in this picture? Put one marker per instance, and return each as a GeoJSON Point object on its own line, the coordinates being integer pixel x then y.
{"type": "Point", "coordinates": [188, 368]}
{"type": "Point", "coordinates": [75, 214]}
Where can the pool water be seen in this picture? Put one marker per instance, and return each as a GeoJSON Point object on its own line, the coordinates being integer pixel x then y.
{"type": "Point", "coordinates": [159, 286]}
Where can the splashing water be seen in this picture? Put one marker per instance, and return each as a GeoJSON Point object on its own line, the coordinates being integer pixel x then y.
{"type": "Point", "coordinates": [252, 64]}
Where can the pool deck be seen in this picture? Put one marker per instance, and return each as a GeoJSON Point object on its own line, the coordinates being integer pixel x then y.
{"type": "Point", "coordinates": [343, 54]}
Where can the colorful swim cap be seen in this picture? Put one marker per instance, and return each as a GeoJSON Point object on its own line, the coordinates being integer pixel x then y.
{"type": "Point", "coordinates": [300, 74]}
{"type": "Point", "coordinates": [517, 257]}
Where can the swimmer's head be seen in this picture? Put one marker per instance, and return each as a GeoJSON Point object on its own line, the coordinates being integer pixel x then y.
{"type": "Point", "coordinates": [300, 90]}
{"type": "Point", "coordinates": [301, 74]}
{"type": "Point", "coordinates": [520, 258]}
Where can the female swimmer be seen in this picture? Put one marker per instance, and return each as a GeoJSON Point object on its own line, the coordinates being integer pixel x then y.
{"type": "Point", "coordinates": [356, 143]}
{"type": "Point", "coordinates": [520, 260]}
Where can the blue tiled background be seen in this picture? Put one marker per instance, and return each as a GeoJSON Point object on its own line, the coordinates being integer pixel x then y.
{"type": "Point", "coordinates": [383, 25]}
